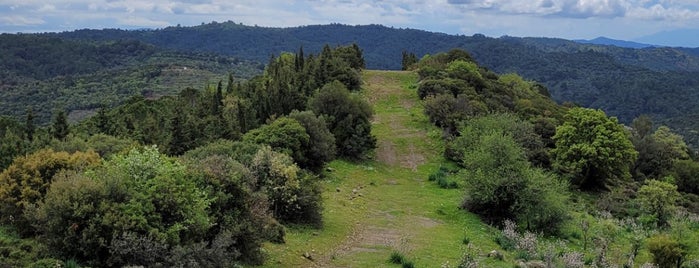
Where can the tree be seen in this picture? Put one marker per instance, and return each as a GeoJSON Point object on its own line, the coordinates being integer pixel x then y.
{"type": "Point", "coordinates": [349, 119]}
{"type": "Point", "coordinates": [179, 135]}
{"type": "Point", "coordinates": [657, 152]}
{"type": "Point", "coordinates": [59, 128]}
{"type": "Point", "coordinates": [686, 174]}
{"type": "Point", "coordinates": [11, 145]}
{"type": "Point", "coordinates": [408, 60]}
{"type": "Point", "coordinates": [592, 149]}
{"type": "Point", "coordinates": [658, 199]}
{"type": "Point", "coordinates": [29, 127]}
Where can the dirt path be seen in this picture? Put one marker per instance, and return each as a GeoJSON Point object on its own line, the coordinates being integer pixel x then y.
{"type": "Point", "coordinates": [398, 149]}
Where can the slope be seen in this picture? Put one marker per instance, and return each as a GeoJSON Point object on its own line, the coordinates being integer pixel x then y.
{"type": "Point", "coordinates": [386, 205]}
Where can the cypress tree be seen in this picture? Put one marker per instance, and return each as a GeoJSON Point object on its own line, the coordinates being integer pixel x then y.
{"type": "Point", "coordinates": [60, 126]}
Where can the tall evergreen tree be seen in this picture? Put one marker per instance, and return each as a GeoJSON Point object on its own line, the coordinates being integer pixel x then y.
{"type": "Point", "coordinates": [102, 121]}
{"type": "Point", "coordinates": [230, 87]}
{"type": "Point", "coordinates": [29, 127]}
{"type": "Point", "coordinates": [217, 100]}
{"type": "Point", "coordinates": [179, 139]}
{"type": "Point", "coordinates": [60, 125]}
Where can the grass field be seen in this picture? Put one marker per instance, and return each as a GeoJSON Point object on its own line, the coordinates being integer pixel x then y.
{"type": "Point", "coordinates": [386, 205]}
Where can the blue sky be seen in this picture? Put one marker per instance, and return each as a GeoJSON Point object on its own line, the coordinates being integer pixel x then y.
{"type": "Point", "coordinates": [571, 19]}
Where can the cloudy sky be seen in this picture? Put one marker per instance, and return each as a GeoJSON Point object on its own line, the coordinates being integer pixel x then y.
{"type": "Point", "coordinates": [571, 19]}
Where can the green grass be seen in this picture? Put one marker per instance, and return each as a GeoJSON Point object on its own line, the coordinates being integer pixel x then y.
{"type": "Point", "coordinates": [386, 204]}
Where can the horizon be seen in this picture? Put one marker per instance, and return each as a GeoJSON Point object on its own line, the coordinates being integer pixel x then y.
{"type": "Point", "coordinates": [656, 22]}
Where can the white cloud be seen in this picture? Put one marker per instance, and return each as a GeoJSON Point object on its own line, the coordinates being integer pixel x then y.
{"type": "Point", "coordinates": [18, 20]}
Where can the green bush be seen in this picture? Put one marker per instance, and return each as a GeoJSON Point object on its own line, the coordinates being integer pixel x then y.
{"type": "Point", "coordinates": [396, 258]}
{"type": "Point", "coordinates": [501, 184]}
{"type": "Point", "coordinates": [667, 252]}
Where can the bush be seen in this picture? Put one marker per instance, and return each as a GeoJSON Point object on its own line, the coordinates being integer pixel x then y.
{"type": "Point", "coordinates": [667, 252]}
{"type": "Point", "coordinates": [501, 184]}
{"type": "Point", "coordinates": [396, 258]}
{"type": "Point", "coordinates": [25, 182]}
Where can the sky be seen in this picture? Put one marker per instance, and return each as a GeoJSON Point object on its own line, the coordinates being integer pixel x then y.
{"type": "Point", "coordinates": [569, 19]}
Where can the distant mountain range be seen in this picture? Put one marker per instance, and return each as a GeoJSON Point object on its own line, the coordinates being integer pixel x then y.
{"type": "Point", "coordinates": [676, 38]}
{"type": "Point", "coordinates": [612, 75]}
{"type": "Point", "coordinates": [614, 42]}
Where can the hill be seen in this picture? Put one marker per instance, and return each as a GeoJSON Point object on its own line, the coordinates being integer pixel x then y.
{"type": "Point", "coordinates": [46, 73]}
{"type": "Point", "coordinates": [661, 82]}
{"type": "Point", "coordinates": [613, 42]}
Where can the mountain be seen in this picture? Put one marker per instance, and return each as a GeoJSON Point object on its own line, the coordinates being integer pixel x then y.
{"type": "Point", "coordinates": [677, 38]}
{"type": "Point", "coordinates": [662, 82]}
{"type": "Point", "coordinates": [613, 42]}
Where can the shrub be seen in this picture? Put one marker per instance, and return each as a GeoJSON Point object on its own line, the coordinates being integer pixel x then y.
{"type": "Point", "coordinates": [667, 252]}
{"type": "Point", "coordinates": [348, 119]}
{"type": "Point", "coordinates": [24, 183]}
{"type": "Point", "coordinates": [396, 258]}
{"type": "Point", "coordinates": [501, 184]}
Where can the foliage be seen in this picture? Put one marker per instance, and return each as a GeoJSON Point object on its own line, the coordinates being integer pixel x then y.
{"type": "Point", "coordinates": [59, 128]}
{"type": "Point", "coordinates": [501, 184]}
{"type": "Point", "coordinates": [348, 118]}
{"type": "Point", "coordinates": [658, 199]}
{"type": "Point", "coordinates": [686, 174]}
{"type": "Point", "coordinates": [294, 195]}
{"type": "Point", "coordinates": [104, 145]}
{"type": "Point", "coordinates": [522, 131]}
{"type": "Point", "coordinates": [25, 182]}
{"type": "Point", "coordinates": [285, 135]}
{"type": "Point", "coordinates": [592, 149]}
{"type": "Point", "coordinates": [667, 252]}
{"type": "Point", "coordinates": [408, 60]}
{"type": "Point", "coordinates": [657, 151]}
{"type": "Point", "coordinates": [320, 148]}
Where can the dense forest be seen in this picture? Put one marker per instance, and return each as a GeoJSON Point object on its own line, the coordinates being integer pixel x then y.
{"type": "Point", "coordinates": [659, 82]}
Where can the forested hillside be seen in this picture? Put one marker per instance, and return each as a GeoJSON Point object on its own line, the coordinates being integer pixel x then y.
{"type": "Point", "coordinates": [624, 82]}
{"type": "Point", "coordinates": [44, 73]}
